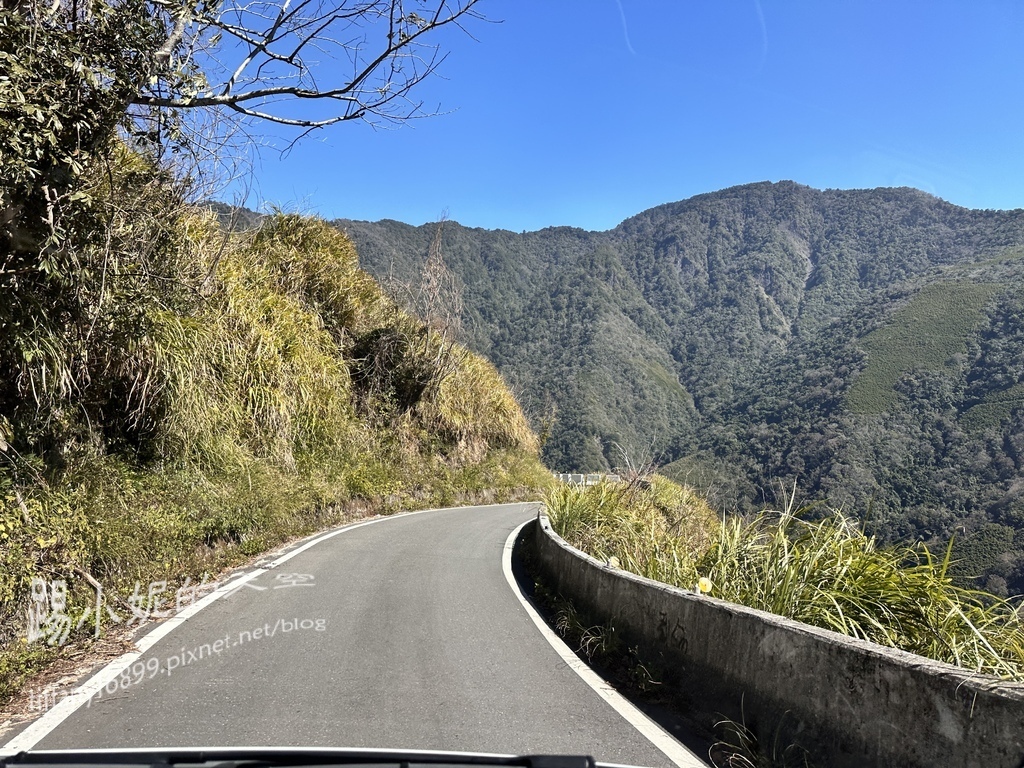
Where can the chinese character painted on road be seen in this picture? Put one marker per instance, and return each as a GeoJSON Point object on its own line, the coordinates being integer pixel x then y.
{"type": "Point", "coordinates": [294, 580]}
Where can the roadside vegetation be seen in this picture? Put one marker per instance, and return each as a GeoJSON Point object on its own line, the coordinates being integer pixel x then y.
{"type": "Point", "coordinates": [826, 572]}
{"type": "Point", "coordinates": [176, 395]}
{"type": "Point", "coordinates": [212, 395]}
{"type": "Point", "coordinates": [654, 528]}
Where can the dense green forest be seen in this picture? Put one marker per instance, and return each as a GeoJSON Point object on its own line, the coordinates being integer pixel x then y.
{"type": "Point", "coordinates": [866, 345]}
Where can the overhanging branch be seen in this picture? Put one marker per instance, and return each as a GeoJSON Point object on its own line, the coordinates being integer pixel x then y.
{"type": "Point", "coordinates": [387, 52]}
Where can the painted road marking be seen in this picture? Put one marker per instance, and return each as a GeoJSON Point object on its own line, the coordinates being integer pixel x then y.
{"type": "Point", "coordinates": [68, 705]}
{"type": "Point", "coordinates": [654, 733]}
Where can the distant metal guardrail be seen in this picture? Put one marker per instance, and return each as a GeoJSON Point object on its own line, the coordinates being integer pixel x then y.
{"type": "Point", "coordinates": [591, 479]}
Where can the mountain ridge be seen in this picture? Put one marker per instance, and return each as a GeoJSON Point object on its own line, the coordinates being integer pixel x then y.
{"type": "Point", "coordinates": [727, 330]}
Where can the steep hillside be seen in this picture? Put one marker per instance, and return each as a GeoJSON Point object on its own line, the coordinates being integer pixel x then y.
{"type": "Point", "coordinates": [219, 394]}
{"type": "Point", "coordinates": [865, 344]}
{"type": "Point", "coordinates": [559, 314]}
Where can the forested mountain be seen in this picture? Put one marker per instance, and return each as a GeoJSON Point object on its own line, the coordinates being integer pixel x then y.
{"type": "Point", "coordinates": [867, 345]}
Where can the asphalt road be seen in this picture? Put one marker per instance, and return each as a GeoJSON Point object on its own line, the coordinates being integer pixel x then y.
{"type": "Point", "coordinates": [401, 634]}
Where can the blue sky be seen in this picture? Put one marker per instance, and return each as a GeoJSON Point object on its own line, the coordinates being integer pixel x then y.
{"type": "Point", "coordinates": [585, 112]}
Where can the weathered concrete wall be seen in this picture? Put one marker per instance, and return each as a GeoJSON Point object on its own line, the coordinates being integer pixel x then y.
{"type": "Point", "coordinates": [849, 702]}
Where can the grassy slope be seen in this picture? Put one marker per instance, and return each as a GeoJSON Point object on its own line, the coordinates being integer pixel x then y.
{"type": "Point", "coordinates": [257, 423]}
{"type": "Point", "coordinates": [991, 411]}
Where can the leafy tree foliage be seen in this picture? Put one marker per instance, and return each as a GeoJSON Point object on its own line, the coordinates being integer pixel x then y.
{"type": "Point", "coordinates": [69, 71]}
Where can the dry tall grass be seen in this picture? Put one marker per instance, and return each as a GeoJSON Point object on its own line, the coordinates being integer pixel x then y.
{"type": "Point", "coordinates": [238, 420]}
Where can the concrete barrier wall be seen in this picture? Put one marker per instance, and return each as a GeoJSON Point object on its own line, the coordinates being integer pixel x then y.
{"type": "Point", "coordinates": [847, 702]}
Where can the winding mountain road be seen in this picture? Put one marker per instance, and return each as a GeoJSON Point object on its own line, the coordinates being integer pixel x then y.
{"type": "Point", "coordinates": [404, 633]}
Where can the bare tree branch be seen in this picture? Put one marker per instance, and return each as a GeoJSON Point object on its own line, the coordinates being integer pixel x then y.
{"type": "Point", "coordinates": [278, 48]}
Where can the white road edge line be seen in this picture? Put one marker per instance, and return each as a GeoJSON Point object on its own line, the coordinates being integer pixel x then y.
{"type": "Point", "coordinates": [67, 706]}
{"type": "Point", "coordinates": [654, 733]}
